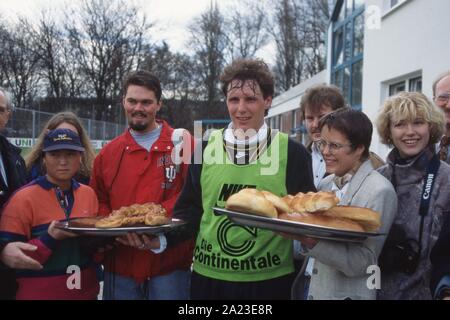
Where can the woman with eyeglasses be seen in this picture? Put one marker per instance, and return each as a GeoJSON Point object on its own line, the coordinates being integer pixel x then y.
{"type": "Point", "coordinates": [339, 270]}
{"type": "Point", "coordinates": [413, 125]}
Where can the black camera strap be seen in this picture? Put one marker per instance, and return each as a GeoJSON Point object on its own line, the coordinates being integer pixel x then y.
{"type": "Point", "coordinates": [427, 190]}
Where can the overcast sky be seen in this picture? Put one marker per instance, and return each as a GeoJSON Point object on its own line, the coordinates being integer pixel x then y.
{"type": "Point", "coordinates": [171, 17]}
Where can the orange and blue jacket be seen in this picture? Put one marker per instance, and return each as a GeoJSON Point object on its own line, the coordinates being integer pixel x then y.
{"type": "Point", "coordinates": [26, 218]}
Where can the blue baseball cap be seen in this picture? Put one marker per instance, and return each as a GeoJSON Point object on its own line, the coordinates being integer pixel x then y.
{"type": "Point", "coordinates": [62, 139]}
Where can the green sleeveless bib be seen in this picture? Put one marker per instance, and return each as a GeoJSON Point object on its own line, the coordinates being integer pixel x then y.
{"type": "Point", "coordinates": [230, 252]}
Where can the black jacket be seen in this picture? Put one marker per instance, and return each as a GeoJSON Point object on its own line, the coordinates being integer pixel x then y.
{"type": "Point", "coordinates": [440, 256]}
{"type": "Point", "coordinates": [16, 178]}
{"type": "Point", "coordinates": [14, 168]}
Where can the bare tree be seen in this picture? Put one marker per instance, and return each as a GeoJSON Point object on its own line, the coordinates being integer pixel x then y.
{"type": "Point", "coordinates": [48, 45]}
{"type": "Point", "coordinates": [108, 38]}
{"type": "Point", "coordinates": [245, 30]}
{"type": "Point", "coordinates": [299, 29]}
{"type": "Point", "coordinates": [178, 75]}
{"type": "Point", "coordinates": [208, 40]}
{"type": "Point", "coordinates": [19, 63]}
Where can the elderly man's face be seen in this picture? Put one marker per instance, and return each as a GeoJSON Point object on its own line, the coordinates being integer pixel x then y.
{"type": "Point", "coordinates": [442, 98]}
{"type": "Point", "coordinates": [4, 112]}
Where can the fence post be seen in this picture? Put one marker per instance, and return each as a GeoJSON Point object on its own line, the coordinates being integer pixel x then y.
{"type": "Point", "coordinates": [33, 126]}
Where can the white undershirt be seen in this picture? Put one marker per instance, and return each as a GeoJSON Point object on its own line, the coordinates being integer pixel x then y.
{"type": "Point", "coordinates": [3, 171]}
{"type": "Point", "coordinates": [319, 167]}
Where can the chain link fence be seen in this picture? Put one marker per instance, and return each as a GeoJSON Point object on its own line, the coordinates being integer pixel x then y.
{"type": "Point", "coordinates": [28, 124]}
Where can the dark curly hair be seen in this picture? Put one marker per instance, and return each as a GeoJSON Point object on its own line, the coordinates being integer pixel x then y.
{"type": "Point", "coordinates": [248, 69]}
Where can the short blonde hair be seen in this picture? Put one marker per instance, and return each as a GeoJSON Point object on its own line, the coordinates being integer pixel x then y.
{"type": "Point", "coordinates": [409, 106]}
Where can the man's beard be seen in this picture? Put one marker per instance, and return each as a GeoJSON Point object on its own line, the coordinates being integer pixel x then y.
{"type": "Point", "coordinates": [137, 126]}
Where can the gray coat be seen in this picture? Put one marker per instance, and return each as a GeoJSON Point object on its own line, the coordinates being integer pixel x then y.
{"type": "Point", "coordinates": [340, 269]}
{"type": "Point", "coordinates": [409, 183]}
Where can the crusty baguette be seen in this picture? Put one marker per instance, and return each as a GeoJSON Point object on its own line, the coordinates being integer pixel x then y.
{"type": "Point", "coordinates": [312, 202]}
{"type": "Point", "coordinates": [288, 199]}
{"type": "Point", "coordinates": [323, 221]}
{"type": "Point", "coordinates": [367, 218]}
{"type": "Point", "coordinates": [251, 201]}
{"type": "Point", "coordinates": [279, 203]}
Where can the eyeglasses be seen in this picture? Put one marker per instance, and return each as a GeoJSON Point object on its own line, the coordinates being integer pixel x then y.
{"type": "Point", "coordinates": [333, 147]}
{"type": "Point", "coordinates": [443, 98]}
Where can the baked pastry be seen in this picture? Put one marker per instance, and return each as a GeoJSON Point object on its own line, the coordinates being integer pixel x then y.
{"type": "Point", "coordinates": [251, 201]}
{"type": "Point", "coordinates": [156, 220]}
{"type": "Point", "coordinates": [367, 218]}
{"type": "Point", "coordinates": [323, 221]}
{"type": "Point", "coordinates": [111, 221]}
{"type": "Point", "coordinates": [280, 204]}
{"type": "Point", "coordinates": [147, 213]}
{"type": "Point", "coordinates": [288, 199]}
{"type": "Point", "coordinates": [84, 222]}
{"type": "Point", "coordinates": [312, 202]}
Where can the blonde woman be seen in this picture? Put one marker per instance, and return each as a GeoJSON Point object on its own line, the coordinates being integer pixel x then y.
{"type": "Point", "coordinates": [412, 125]}
{"type": "Point", "coordinates": [61, 120]}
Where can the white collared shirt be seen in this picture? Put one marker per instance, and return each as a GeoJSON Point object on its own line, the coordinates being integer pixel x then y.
{"type": "Point", "coordinates": [3, 171]}
{"type": "Point", "coordinates": [318, 164]}
{"type": "Point", "coordinates": [340, 192]}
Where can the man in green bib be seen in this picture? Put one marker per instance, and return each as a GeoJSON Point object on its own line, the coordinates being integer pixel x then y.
{"type": "Point", "coordinates": [232, 261]}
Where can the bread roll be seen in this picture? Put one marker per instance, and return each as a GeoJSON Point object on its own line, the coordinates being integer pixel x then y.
{"type": "Point", "coordinates": [278, 202]}
{"type": "Point", "coordinates": [367, 218]}
{"type": "Point", "coordinates": [323, 221]}
{"type": "Point", "coordinates": [251, 201]}
{"type": "Point", "coordinates": [312, 202]}
{"type": "Point", "coordinates": [288, 199]}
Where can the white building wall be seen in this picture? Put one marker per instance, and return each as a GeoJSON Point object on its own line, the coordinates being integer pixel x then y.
{"type": "Point", "coordinates": [406, 41]}
{"type": "Point", "coordinates": [411, 40]}
{"type": "Point", "coordinates": [290, 99]}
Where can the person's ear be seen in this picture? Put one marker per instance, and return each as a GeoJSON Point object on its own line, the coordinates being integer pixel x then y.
{"type": "Point", "coordinates": [360, 150]}
{"type": "Point", "coordinates": [159, 105]}
{"type": "Point", "coordinates": [268, 102]}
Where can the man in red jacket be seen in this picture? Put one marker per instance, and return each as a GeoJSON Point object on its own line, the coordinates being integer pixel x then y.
{"type": "Point", "coordinates": [138, 167]}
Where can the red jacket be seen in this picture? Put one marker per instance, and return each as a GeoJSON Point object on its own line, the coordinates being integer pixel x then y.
{"type": "Point", "coordinates": [124, 173]}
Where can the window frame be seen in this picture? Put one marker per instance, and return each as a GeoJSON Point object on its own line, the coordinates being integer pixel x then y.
{"type": "Point", "coordinates": [338, 70]}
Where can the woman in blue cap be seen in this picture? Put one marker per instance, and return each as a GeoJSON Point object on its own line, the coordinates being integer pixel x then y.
{"type": "Point", "coordinates": [31, 214]}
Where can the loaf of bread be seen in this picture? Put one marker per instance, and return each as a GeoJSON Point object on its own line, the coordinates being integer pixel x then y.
{"type": "Point", "coordinates": [280, 204]}
{"type": "Point", "coordinates": [367, 218]}
{"type": "Point", "coordinates": [323, 221]}
{"type": "Point", "coordinates": [312, 202]}
{"type": "Point", "coordinates": [318, 208]}
{"type": "Point", "coordinates": [251, 201]}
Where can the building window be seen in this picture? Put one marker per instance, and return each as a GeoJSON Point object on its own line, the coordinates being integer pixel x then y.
{"type": "Point", "coordinates": [358, 35]}
{"type": "Point", "coordinates": [415, 84]}
{"type": "Point", "coordinates": [394, 3]}
{"type": "Point", "coordinates": [348, 48]}
{"type": "Point", "coordinates": [396, 88]}
{"type": "Point", "coordinates": [411, 84]}
{"type": "Point", "coordinates": [357, 78]}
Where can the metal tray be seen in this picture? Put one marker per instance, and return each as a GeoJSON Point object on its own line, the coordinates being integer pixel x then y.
{"type": "Point", "coordinates": [293, 227]}
{"type": "Point", "coordinates": [73, 226]}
